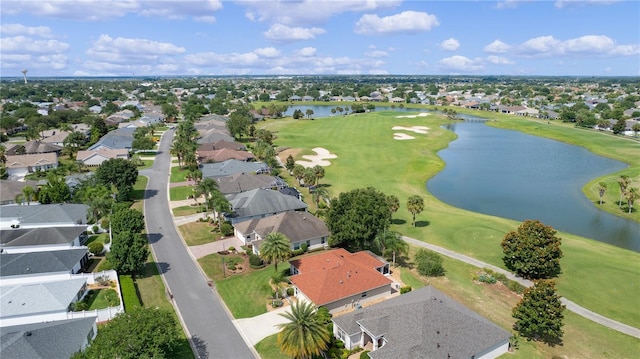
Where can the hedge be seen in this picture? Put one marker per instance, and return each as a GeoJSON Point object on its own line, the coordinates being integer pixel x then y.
{"type": "Point", "coordinates": [129, 293]}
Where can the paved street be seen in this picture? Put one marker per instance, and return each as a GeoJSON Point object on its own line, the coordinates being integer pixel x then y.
{"type": "Point", "coordinates": [206, 320]}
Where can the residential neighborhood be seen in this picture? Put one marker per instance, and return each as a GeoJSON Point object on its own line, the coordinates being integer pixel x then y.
{"type": "Point", "coordinates": [273, 231]}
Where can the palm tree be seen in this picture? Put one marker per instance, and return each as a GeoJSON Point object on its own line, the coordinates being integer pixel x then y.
{"type": "Point", "coordinates": [391, 242]}
{"type": "Point", "coordinates": [631, 195]}
{"type": "Point", "coordinates": [394, 203]}
{"type": "Point", "coordinates": [304, 336]}
{"type": "Point", "coordinates": [319, 171]}
{"type": "Point", "coordinates": [602, 188]}
{"type": "Point", "coordinates": [415, 205]}
{"type": "Point", "coordinates": [220, 205]}
{"type": "Point", "coordinates": [318, 194]}
{"type": "Point", "coordinates": [309, 177]}
{"type": "Point", "coordinates": [623, 181]}
{"type": "Point", "coordinates": [205, 187]}
{"type": "Point", "coordinates": [276, 247]}
{"type": "Point", "coordinates": [29, 193]}
{"type": "Point", "coordinates": [298, 172]}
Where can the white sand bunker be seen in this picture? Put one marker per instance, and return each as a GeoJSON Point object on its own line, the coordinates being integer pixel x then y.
{"type": "Point", "coordinates": [421, 114]}
{"type": "Point", "coordinates": [402, 136]}
{"type": "Point", "coordinates": [319, 159]}
{"type": "Point", "coordinates": [416, 129]}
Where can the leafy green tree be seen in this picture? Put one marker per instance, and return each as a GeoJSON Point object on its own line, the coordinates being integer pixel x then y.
{"type": "Point", "coordinates": [415, 205]}
{"type": "Point", "coordinates": [275, 248]}
{"type": "Point", "coordinates": [143, 143]}
{"type": "Point", "coordinates": [532, 251]}
{"type": "Point", "coordinates": [619, 127]}
{"type": "Point", "coordinates": [137, 333]}
{"type": "Point", "coordinates": [602, 188]}
{"type": "Point", "coordinates": [119, 172]}
{"type": "Point", "coordinates": [55, 191]}
{"type": "Point", "coordinates": [305, 335]}
{"type": "Point", "coordinates": [539, 314]}
{"type": "Point", "coordinates": [169, 111]}
{"type": "Point", "coordinates": [74, 141]}
{"type": "Point", "coordinates": [290, 163]}
{"type": "Point", "coordinates": [429, 263]}
{"type": "Point", "coordinates": [238, 123]}
{"type": "Point", "coordinates": [29, 194]}
{"type": "Point", "coordinates": [129, 251]}
{"type": "Point", "coordinates": [356, 217]}
{"type": "Point", "coordinates": [125, 219]}
{"type": "Point", "coordinates": [636, 128]}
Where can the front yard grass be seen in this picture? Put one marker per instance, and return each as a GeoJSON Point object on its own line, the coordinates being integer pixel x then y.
{"type": "Point", "coordinates": [245, 294]}
{"type": "Point", "coordinates": [180, 193]}
{"type": "Point", "coordinates": [187, 210]}
{"type": "Point", "coordinates": [268, 348]}
{"type": "Point", "coordinates": [196, 233]}
{"type": "Point", "coordinates": [178, 174]}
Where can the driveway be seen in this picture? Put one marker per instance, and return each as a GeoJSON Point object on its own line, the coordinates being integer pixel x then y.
{"type": "Point", "coordinates": [259, 327]}
{"type": "Point", "coordinates": [215, 247]}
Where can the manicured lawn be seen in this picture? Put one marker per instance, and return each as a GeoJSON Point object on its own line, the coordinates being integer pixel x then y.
{"type": "Point", "coordinates": [244, 294]}
{"type": "Point", "coordinates": [186, 210]}
{"type": "Point", "coordinates": [195, 233]}
{"type": "Point", "coordinates": [178, 175]}
{"type": "Point", "coordinates": [268, 348]}
{"type": "Point", "coordinates": [102, 238]}
{"type": "Point", "coordinates": [180, 193]}
{"type": "Point", "coordinates": [582, 338]}
{"type": "Point", "coordinates": [593, 273]}
{"type": "Point", "coordinates": [102, 298]}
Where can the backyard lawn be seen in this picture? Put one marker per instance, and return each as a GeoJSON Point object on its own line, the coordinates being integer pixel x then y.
{"type": "Point", "coordinates": [367, 155]}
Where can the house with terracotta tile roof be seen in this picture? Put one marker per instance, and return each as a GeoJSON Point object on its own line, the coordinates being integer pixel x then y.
{"type": "Point", "coordinates": [337, 279]}
{"type": "Point", "coordinates": [423, 323]}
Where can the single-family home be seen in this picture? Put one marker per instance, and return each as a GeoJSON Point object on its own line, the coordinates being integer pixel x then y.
{"type": "Point", "coordinates": [222, 155]}
{"type": "Point", "coordinates": [242, 182]}
{"type": "Point", "coordinates": [9, 190]}
{"type": "Point", "coordinates": [230, 167]}
{"type": "Point", "coordinates": [299, 227]}
{"type": "Point", "coordinates": [56, 339]}
{"type": "Point", "coordinates": [43, 216]}
{"type": "Point", "coordinates": [121, 138]}
{"type": "Point", "coordinates": [42, 239]}
{"type": "Point", "coordinates": [214, 135]}
{"type": "Point", "coordinates": [33, 147]}
{"type": "Point", "coordinates": [424, 323]}
{"type": "Point", "coordinates": [260, 203]}
{"type": "Point", "coordinates": [232, 145]}
{"type": "Point", "coordinates": [19, 166]}
{"type": "Point", "coordinates": [337, 279]}
{"type": "Point", "coordinates": [96, 157]}
{"type": "Point", "coordinates": [16, 268]}
{"type": "Point", "coordinates": [41, 301]}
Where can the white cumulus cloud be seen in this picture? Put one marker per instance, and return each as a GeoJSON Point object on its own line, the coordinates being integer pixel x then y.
{"type": "Point", "coordinates": [267, 52]}
{"type": "Point", "coordinates": [19, 29]}
{"type": "Point", "coordinates": [497, 47]}
{"type": "Point", "coordinates": [404, 22]}
{"type": "Point", "coordinates": [499, 60]}
{"type": "Point", "coordinates": [307, 51]}
{"type": "Point", "coordinates": [450, 44]}
{"type": "Point", "coordinates": [460, 64]}
{"type": "Point", "coordinates": [283, 33]}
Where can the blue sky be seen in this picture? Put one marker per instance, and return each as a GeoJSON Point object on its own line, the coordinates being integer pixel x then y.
{"type": "Point", "coordinates": [268, 37]}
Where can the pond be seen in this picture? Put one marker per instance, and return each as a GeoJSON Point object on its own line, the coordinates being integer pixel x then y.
{"type": "Point", "coordinates": [325, 111]}
{"type": "Point", "coordinates": [513, 175]}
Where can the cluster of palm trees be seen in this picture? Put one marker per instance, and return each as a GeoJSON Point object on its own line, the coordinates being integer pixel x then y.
{"type": "Point", "coordinates": [184, 148]}
{"type": "Point", "coordinates": [214, 200]}
{"type": "Point", "coordinates": [627, 193]}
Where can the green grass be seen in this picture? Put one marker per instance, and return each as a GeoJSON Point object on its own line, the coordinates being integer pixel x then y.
{"type": "Point", "coordinates": [98, 298]}
{"type": "Point", "coordinates": [178, 175]}
{"type": "Point", "coordinates": [187, 210]}
{"type": "Point", "coordinates": [268, 348]}
{"type": "Point", "coordinates": [196, 233]}
{"type": "Point", "coordinates": [102, 238]}
{"type": "Point", "coordinates": [368, 156]}
{"type": "Point", "coordinates": [180, 193]}
{"type": "Point", "coordinates": [582, 338]}
{"type": "Point", "coordinates": [244, 294]}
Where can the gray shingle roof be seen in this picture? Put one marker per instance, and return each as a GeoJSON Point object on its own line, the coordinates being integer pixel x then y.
{"type": "Point", "coordinates": [40, 236]}
{"type": "Point", "coordinates": [9, 189]}
{"type": "Point", "coordinates": [263, 202]}
{"type": "Point", "coordinates": [40, 262]}
{"type": "Point", "coordinates": [297, 226]}
{"type": "Point", "coordinates": [71, 213]}
{"type": "Point", "coordinates": [242, 182]}
{"type": "Point", "coordinates": [230, 167]}
{"type": "Point", "coordinates": [425, 323]}
{"type": "Point", "coordinates": [116, 139]}
{"type": "Point", "coordinates": [36, 298]}
{"type": "Point", "coordinates": [50, 340]}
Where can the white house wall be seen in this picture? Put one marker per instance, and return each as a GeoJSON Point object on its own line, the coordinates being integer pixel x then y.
{"type": "Point", "coordinates": [346, 303]}
{"type": "Point", "coordinates": [496, 351]}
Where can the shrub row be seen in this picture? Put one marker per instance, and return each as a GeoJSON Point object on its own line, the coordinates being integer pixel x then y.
{"type": "Point", "coordinates": [491, 277]}
{"type": "Point", "coordinates": [129, 292]}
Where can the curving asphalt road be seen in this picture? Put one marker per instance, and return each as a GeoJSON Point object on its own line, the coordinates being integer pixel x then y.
{"type": "Point", "coordinates": [204, 317]}
{"type": "Point", "coordinates": [584, 312]}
